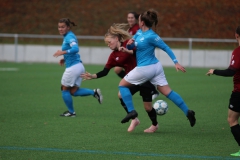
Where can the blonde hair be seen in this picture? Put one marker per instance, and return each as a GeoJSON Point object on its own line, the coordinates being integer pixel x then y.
{"type": "Point", "coordinates": [119, 30]}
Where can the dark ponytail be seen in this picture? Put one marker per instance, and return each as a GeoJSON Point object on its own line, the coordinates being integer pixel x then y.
{"type": "Point", "coordinates": [67, 22]}
{"type": "Point", "coordinates": [150, 18]}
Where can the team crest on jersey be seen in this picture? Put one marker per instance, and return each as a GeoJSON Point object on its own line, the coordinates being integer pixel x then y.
{"type": "Point", "coordinates": [117, 58]}
{"type": "Point", "coordinates": [142, 39]}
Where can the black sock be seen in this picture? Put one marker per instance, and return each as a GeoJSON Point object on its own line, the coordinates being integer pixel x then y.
{"type": "Point", "coordinates": [153, 116]}
{"type": "Point", "coordinates": [123, 104]}
{"type": "Point", "coordinates": [121, 74]}
{"type": "Point", "coordinates": [236, 133]}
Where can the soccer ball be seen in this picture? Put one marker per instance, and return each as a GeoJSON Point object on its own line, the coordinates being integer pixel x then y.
{"type": "Point", "coordinates": [161, 107]}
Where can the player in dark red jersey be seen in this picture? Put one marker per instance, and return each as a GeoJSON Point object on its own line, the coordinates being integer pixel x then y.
{"type": "Point", "coordinates": [115, 40]}
{"type": "Point", "coordinates": [132, 20]}
{"type": "Point", "coordinates": [234, 102]}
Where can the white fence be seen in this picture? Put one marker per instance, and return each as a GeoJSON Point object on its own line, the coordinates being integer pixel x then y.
{"type": "Point", "coordinates": [98, 55]}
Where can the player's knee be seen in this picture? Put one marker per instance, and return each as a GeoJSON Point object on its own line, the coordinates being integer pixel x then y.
{"type": "Point", "coordinates": [119, 95]}
{"type": "Point", "coordinates": [117, 70]}
{"type": "Point", "coordinates": [232, 121]}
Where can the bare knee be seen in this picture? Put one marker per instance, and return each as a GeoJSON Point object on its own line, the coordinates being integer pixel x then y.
{"type": "Point", "coordinates": [117, 70]}
{"type": "Point", "coordinates": [73, 90]}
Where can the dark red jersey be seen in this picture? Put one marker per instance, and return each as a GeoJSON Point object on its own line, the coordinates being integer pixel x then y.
{"type": "Point", "coordinates": [121, 59]}
{"type": "Point", "coordinates": [235, 65]}
{"type": "Point", "coordinates": [133, 30]}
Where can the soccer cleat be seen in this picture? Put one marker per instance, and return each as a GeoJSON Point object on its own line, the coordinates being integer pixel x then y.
{"type": "Point", "coordinates": [237, 154]}
{"type": "Point", "coordinates": [98, 95]}
{"type": "Point", "coordinates": [191, 117]}
{"type": "Point", "coordinates": [68, 114]}
{"type": "Point", "coordinates": [133, 124]}
{"type": "Point", "coordinates": [151, 129]}
{"type": "Point", "coordinates": [131, 115]}
{"type": "Point", "coordinates": [155, 95]}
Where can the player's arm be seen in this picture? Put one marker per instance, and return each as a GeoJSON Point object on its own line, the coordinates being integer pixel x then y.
{"type": "Point", "coordinates": [89, 76]}
{"type": "Point", "coordinates": [74, 49]}
{"type": "Point", "coordinates": [125, 50]}
{"type": "Point", "coordinates": [229, 72]}
{"type": "Point", "coordinates": [158, 42]}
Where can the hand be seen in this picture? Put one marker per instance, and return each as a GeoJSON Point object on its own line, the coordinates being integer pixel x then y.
{"type": "Point", "coordinates": [58, 53]}
{"type": "Point", "coordinates": [179, 67]}
{"type": "Point", "coordinates": [210, 72]}
{"type": "Point", "coordinates": [61, 62]}
{"type": "Point", "coordinates": [123, 49]}
{"type": "Point", "coordinates": [86, 76]}
{"type": "Point", "coordinates": [130, 41]}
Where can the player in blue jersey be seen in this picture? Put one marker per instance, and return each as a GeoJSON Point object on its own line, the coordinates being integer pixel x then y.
{"type": "Point", "coordinates": [149, 68]}
{"type": "Point", "coordinates": [71, 80]}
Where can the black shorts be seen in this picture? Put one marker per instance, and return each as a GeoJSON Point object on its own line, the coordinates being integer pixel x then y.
{"type": "Point", "coordinates": [234, 102]}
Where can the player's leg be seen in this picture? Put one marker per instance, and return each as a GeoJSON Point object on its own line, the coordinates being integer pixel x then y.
{"type": "Point", "coordinates": [67, 98]}
{"type": "Point", "coordinates": [66, 82]}
{"type": "Point", "coordinates": [163, 87]}
{"type": "Point", "coordinates": [138, 75]}
{"type": "Point", "coordinates": [152, 88]}
{"type": "Point", "coordinates": [177, 100]}
{"type": "Point", "coordinates": [77, 91]}
{"type": "Point", "coordinates": [127, 99]}
{"type": "Point", "coordinates": [135, 121]}
{"type": "Point", "coordinates": [146, 93]}
{"type": "Point", "coordinates": [233, 117]}
{"type": "Point", "coordinates": [120, 72]}
{"type": "Point", "coordinates": [133, 89]}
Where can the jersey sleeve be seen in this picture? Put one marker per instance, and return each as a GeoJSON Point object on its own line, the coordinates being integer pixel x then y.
{"type": "Point", "coordinates": [110, 63]}
{"type": "Point", "coordinates": [73, 44]}
{"type": "Point", "coordinates": [235, 60]}
{"type": "Point", "coordinates": [158, 42]}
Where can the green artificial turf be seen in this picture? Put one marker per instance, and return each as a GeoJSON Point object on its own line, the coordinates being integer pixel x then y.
{"type": "Point", "coordinates": [31, 128]}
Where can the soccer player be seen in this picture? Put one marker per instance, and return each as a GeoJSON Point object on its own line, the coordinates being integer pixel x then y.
{"type": "Point", "coordinates": [115, 38]}
{"type": "Point", "coordinates": [234, 103]}
{"type": "Point", "coordinates": [132, 19]}
{"type": "Point", "coordinates": [71, 80]}
{"type": "Point", "coordinates": [149, 67]}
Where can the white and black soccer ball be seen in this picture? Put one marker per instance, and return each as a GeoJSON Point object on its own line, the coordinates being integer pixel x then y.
{"type": "Point", "coordinates": [161, 107]}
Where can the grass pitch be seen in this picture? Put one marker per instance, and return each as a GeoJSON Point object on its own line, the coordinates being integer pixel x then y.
{"type": "Point", "coordinates": [31, 128]}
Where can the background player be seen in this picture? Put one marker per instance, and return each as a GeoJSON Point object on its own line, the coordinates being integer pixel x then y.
{"type": "Point", "coordinates": [234, 102]}
{"type": "Point", "coordinates": [74, 67]}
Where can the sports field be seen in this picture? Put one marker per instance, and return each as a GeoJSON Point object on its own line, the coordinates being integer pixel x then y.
{"type": "Point", "coordinates": [31, 128]}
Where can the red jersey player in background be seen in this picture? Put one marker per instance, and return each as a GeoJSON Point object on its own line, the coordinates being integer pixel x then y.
{"type": "Point", "coordinates": [132, 20]}
{"type": "Point", "coordinates": [234, 102]}
{"type": "Point", "coordinates": [114, 40]}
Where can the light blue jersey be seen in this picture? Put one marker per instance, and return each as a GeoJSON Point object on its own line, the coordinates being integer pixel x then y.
{"type": "Point", "coordinates": [70, 44]}
{"type": "Point", "coordinates": [146, 42]}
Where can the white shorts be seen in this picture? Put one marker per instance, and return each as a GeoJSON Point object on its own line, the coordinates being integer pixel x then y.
{"type": "Point", "coordinates": [71, 76]}
{"type": "Point", "coordinates": [153, 73]}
